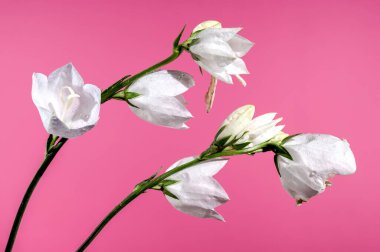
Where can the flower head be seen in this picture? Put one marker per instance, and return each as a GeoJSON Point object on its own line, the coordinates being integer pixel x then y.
{"type": "Point", "coordinates": [68, 107]}
{"type": "Point", "coordinates": [159, 99]}
{"type": "Point", "coordinates": [315, 159]}
{"type": "Point", "coordinates": [196, 192]}
{"type": "Point", "coordinates": [241, 129]}
{"type": "Point", "coordinates": [219, 51]}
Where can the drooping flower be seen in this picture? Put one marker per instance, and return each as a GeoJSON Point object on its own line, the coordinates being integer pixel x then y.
{"type": "Point", "coordinates": [159, 99]}
{"type": "Point", "coordinates": [196, 192]}
{"type": "Point", "coordinates": [241, 128]}
{"type": "Point", "coordinates": [68, 107]}
{"type": "Point", "coordinates": [315, 159]}
{"type": "Point", "coordinates": [219, 51]}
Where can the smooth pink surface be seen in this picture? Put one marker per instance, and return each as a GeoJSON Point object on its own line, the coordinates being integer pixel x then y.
{"type": "Point", "coordinates": [316, 63]}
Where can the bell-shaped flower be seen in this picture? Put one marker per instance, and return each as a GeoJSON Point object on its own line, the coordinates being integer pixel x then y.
{"type": "Point", "coordinates": [159, 99]}
{"type": "Point", "coordinates": [240, 128]}
{"type": "Point", "coordinates": [195, 191]}
{"type": "Point", "coordinates": [315, 159]}
{"type": "Point", "coordinates": [219, 50]}
{"type": "Point", "coordinates": [68, 107]}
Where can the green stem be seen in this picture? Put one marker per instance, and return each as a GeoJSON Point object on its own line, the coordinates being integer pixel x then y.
{"type": "Point", "coordinates": [151, 184]}
{"type": "Point", "coordinates": [105, 96]}
{"type": "Point", "coordinates": [125, 82]}
{"type": "Point", "coordinates": [137, 192]}
{"type": "Point", "coordinates": [45, 164]}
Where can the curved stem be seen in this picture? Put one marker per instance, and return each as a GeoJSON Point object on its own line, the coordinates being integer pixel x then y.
{"type": "Point", "coordinates": [125, 82]}
{"type": "Point", "coordinates": [45, 164]}
{"type": "Point", "coordinates": [105, 96]}
{"type": "Point", "coordinates": [145, 185]}
{"type": "Point", "coordinates": [133, 195]}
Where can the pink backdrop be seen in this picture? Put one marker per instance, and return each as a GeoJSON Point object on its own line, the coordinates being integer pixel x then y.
{"type": "Point", "coordinates": [316, 63]}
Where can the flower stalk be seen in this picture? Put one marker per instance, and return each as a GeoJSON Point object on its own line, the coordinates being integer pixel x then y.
{"type": "Point", "coordinates": [50, 154]}
{"type": "Point", "coordinates": [153, 183]}
{"type": "Point", "coordinates": [53, 148]}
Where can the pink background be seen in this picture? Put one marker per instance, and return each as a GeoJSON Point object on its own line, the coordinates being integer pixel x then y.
{"type": "Point", "coordinates": [316, 63]}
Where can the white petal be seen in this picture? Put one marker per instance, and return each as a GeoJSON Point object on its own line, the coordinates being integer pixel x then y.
{"type": "Point", "coordinates": [88, 109]}
{"type": "Point", "coordinates": [198, 193]}
{"type": "Point", "coordinates": [237, 67]}
{"type": "Point", "coordinates": [240, 45]}
{"type": "Point", "coordinates": [224, 34]}
{"type": "Point", "coordinates": [164, 111]}
{"type": "Point", "coordinates": [219, 74]}
{"type": "Point", "coordinates": [262, 120]}
{"type": "Point", "coordinates": [266, 135]}
{"type": "Point", "coordinates": [215, 51]}
{"type": "Point", "coordinates": [236, 123]}
{"type": "Point", "coordinates": [207, 168]}
{"type": "Point", "coordinates": [58, 128]}
{"type": "Point", "coordinates": [206, 25]}
{"type": "Point", "coordinates": [66, 75]}
{"type": "Point", "coordinates": [40, 90]}
{"type": "Point", "coordinates": [316, 157]}
{"type": "Point", "coordinates": [67, 107]}
{"type": "Point", "coordinates": [163, 83]}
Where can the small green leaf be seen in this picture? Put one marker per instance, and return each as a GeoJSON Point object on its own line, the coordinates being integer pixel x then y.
{"type": "Point", "coordinates": [240, 146]}
{"type": "Point", "coordinates": [276, 164]}
{"type": "Point", "coordinates": [280, 150]}
{"type": "Point", "coordinates": [170, 194]}
{"type": "Point", "coordinates": [130, 95]}
{"type": "Point", "coordinates": [222, 142]}
{"type": "Point", "coordinates": [220, 131]}
{"type": "Point", "coordinates": [168, 182]}
{"type": "Point", "coordinates": [131, 104]}
{"type": "Point", "coordinates": [195, 57]}
{"type": "Point", "coordinates": [176, 41]}
{"type": "Point", "coordinates": [289, 137]}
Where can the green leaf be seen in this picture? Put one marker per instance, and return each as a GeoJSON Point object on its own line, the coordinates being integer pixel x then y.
{"type": "Point", "coordinates": [176, 41]}
{"type": "Point", "coordinates": [168, 182]}
{"type": "Point", "coordinates": [195, 57]}
{"type": "Point", "coordinates": [130, 95]}
{"type": "Point", "coordinates": [280, 150]}
{"type": "Point", "coordinates": [170, 194]}
{"type": "Point", "coordinates": [220, 131]}
{"type": "Point", "coordinates": [240, 146]}
{"type": "Point", "coordinates": [222, 142]}
{"type": "Point", "coordinates": [289, 137]}
{"type": "Point", "coordinates": [131, 104]}
{"type": "Point", "coordinates": [276, 164]}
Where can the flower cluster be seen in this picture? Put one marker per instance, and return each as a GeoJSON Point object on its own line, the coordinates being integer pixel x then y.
{"type": "Point", "coordinates": [305, 162]}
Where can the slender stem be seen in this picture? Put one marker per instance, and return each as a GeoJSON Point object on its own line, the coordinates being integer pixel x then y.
{"type": "Point", "coordinates": [137, 192]}
{"type": "Point", "coordinates": [154, 182]}
{"type": "Point", "coordinates": [45, 164]}
{"type": "Point", "coordinates": [106, 95]}
{"type": "Point", "coordinates": [125, 82]}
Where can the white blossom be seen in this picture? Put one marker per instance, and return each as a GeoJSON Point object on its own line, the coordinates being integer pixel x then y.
{"type": "Point", "coordinates": [68, 107]}
{"type": "Point", "coordinates": [242, 126]}
{"type": "Point", "coordinates": [316, 158]}
{"type": "Point", "coordinates": [197, 191]}
{"type": "Point", "coordinates": [160, 101]}
{"type": "Point", "coordinates": [219, 50]}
